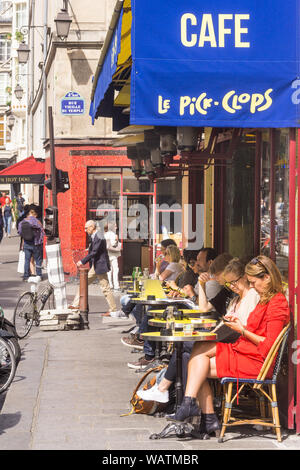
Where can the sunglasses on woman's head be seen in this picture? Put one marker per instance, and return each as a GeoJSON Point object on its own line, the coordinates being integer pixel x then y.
{"type": "Point", "coordinates": [256, 261]}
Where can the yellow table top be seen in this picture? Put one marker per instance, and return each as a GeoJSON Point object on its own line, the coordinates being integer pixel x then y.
{"type": "Point", "coordinates": [180, 336]}
{"type": "Point", "coordinates": [183, 310]}
{"type": "Point", "coordinates": [186, 321]}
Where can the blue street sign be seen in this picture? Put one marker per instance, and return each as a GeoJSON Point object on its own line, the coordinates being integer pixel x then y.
{"type": "Point", "coordinates": [72, 104]}
{"type": "Point", "coordinates": [221, 64]}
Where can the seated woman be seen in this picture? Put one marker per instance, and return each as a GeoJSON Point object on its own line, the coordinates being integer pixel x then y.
{"type": "Point", "coordinates": [246, 298]}
{"type": "Point", "coordinates": [245, 357]}
{"type": "Point", "coordinates": [175, 267]}
{"type": "Point", "coordinates": [187, 277]}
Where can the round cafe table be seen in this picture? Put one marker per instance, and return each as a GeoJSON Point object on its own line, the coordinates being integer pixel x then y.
{"type": "Point", "coordinates": [186, 312]}
{"type": "Point", "coordinates": [197, 322]}
{"type": "Point", "coordinates": [178, 338]}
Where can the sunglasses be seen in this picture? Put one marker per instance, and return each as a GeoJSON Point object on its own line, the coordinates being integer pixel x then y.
{"type": "Point", "coordinates": [256, 261]}
{"type": "Point", "coordinates": [229, 284]}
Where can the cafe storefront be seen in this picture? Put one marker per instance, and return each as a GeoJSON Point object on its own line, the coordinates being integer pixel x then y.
{"type": "Point", "coordinates": [214, 88]}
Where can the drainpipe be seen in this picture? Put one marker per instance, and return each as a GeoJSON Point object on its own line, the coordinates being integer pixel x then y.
{"type": "Point", "coordinates": [32, 77]}
{"type": "Point", "coordinates": [44, 136]}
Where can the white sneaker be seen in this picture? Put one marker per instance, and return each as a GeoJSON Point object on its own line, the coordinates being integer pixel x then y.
{"type": "Point", "coordinates": [118, 314]}
{"type": "Point", "coordinates": [154, 394]}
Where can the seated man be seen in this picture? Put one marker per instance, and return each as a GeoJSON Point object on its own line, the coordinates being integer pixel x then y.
{"type": "Point", "coordinates": [214, 287]}
{"type": "Point", "coordinates": [218, 302]}
{"type": "Point", "coordinates": [128, 307]}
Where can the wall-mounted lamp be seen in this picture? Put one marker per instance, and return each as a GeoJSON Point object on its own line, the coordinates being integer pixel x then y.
{"type": "Point", "coordinates": [63, 22]}
{"type": "Point", "coordinates": [11, 121]}
{"type": "Point", "coordinates": [23, 53]}
{"type": "Point", "coordinates": [19, 92]}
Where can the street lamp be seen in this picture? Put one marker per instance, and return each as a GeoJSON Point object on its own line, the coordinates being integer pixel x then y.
{"type": "Point", "coordinates": [63, 22]}
{"type": "Point", "coordinates": [18, 91]}
{"type": "Point", "coordinates": [11, 121]}
{"type": "Point", "coordinates": [23, 53]}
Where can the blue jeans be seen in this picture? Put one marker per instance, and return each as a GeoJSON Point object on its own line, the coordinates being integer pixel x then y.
{"type": "Point", "coordinates": [30, 249]}
{"type": "Point", "coordinates": [128, 307]}
{"type": "Point", "coordinates": [7, 224]}
{"type": "Point", "coordinates": [126, 304]}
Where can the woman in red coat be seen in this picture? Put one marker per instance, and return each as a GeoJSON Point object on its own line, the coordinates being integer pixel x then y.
{"type": "Point", "coordinates": [243, 358]}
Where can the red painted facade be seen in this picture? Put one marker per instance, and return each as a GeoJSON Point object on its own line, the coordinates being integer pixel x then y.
{"type": "Point", "coordinates": [72, 205]}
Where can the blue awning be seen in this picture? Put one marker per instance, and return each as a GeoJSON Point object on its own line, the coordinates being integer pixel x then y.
{"type": "Point", "coordinates": [103, 89]}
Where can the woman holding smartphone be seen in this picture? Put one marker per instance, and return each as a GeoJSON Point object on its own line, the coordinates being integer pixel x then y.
{"type": "Point", "coordinates": [245, 300]}
{"type": "Point", "coordinates": [243, 358]}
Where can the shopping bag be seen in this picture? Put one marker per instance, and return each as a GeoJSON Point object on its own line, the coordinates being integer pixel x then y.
{"type": "Point", "coordinates": [21, 262]}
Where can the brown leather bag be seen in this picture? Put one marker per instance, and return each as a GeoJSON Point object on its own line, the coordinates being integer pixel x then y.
{"type": "Point", "coordinates": [146, 407]}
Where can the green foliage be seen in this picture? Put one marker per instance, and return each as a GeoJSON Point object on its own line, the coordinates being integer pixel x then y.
{"type": "Point", "coordinates": [19, 36]}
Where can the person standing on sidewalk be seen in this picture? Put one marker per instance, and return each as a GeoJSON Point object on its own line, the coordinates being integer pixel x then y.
{"type": "Point", "coordinates": [32, 232]}
{"type": "Point", "coordinates": [20, 204]}
{"type": "Point", "coordinates": [7, 216]}
{"type": "Point", "coordinates": [114, 251]}
{"type": "Point", "coordinates": [99, 266]}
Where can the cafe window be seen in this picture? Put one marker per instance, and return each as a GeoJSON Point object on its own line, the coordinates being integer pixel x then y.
{"type": "Point", "coordinates": [239, 200]}
{"type": "Point", "coordinates": [168, 209]}
{"type": "Point", "coordinates": [104, 188]}
{"type": "Point", "coordinates": [281, 196]}
{"type": "Point", "coordinates": [133, 185]}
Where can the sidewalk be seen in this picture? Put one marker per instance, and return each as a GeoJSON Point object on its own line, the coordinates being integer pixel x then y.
{"type": "Point", "coordinates": [72, 386]}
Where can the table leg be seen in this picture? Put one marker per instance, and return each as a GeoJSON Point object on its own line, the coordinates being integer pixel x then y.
{"type": "Point", "coordinates": [178, 383]}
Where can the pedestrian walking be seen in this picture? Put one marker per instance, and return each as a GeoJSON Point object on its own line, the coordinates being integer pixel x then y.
{"type": "Point", "coordinates": [7, 213]}
{"type": "Point", "coordinates": [99, 266]}
{"type": "Point", "coordinates": [20, 204]}
{"type": "Point", "coordinates": [3, 198]}
{"type": "Point", "coordinates": [114, 252]}
{"type": "Point", "coordinates": [32, 232]}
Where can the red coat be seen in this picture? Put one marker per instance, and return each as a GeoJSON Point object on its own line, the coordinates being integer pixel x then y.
{"type": "Point", "coordinates": [243, 358]}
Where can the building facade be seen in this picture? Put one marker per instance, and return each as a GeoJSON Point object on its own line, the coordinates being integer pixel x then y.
{"type": "Point", "coordinates": [209, 98]}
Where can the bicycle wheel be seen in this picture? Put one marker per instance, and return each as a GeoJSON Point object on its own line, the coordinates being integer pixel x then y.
{"type": "Point", "coordinates": [15, 347]}
{"type": "Point", "coordinates": [24, 314]}
{"type": "Point", "coordinates": [7, 365]}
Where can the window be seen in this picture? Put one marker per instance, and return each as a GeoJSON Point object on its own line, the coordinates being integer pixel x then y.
{"type": "Point", "coordinates": [5, 45]}
{"type": "Point", "coordinates": [104, 188]}
{"type": "Point", "coordinates": [5, 10]}
{"type": "Point", "coordinates": [281, 189]}
{"type": "Point", "coordinates": [168, 209]}
{"type": "Point", "coordinates": [4, 88]}
{"type": "Point", "coordinates": [1, 131]}
{"type": "Point", "coordinates": [21, 15]}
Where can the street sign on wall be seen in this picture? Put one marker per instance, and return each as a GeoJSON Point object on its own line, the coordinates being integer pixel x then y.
{"type": "Point", "coordinates": [72, 104]}
{"type": "Point", "coordinates": [222, 64]}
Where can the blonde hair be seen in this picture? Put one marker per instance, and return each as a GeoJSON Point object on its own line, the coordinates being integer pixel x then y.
{"type": "Point", "coordinates": [219, 263]}
{"type": "Point", "coordinates": [235, 266]}
{"type": "Point", "coordinates": [174, 253]}
{"type": "Point", "coordinates": [259, 267]}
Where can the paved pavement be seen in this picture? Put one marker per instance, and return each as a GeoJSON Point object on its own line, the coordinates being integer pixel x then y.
{"type": "Point", "coordinates": [72, 386]}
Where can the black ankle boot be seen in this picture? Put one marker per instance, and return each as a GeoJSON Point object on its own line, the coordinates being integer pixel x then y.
{"type": "Point", "coordinates": [187, 411]}
{"type": "Point", "coordinates": [210, 424]}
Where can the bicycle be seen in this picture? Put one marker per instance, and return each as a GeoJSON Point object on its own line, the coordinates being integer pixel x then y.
{"type": "Point", "coordinates": [29, 305]}
{"type": "Point", "coordinates": [8, 333]}
{"type": "Point", "coordinates": [7, 365]}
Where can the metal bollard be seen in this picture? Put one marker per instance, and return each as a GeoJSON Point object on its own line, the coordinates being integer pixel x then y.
{"type": "Point", "coordinates": [83, 300]}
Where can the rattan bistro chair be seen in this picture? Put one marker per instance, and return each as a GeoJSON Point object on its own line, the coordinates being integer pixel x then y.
{"type": "Point", "coordinates": [264, 388]}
